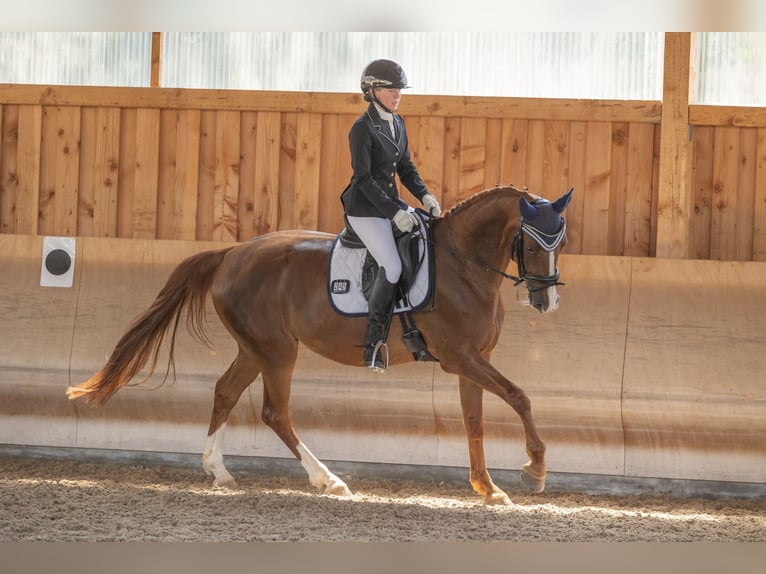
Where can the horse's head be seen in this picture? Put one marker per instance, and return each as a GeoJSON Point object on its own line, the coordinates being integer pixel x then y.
{"type": "Point", "coordinates": [539, 239]}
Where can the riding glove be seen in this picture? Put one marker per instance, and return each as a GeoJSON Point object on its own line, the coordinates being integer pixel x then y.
{"type": "Point", "coordinates": [430, 203]}
{"type": "Point", "coordinates": [405, 220]}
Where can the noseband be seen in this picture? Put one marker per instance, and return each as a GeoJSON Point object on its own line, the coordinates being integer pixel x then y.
{"type": "Point", "coordinates": [546, 242]}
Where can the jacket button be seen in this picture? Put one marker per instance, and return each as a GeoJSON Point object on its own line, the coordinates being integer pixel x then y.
{"type": "Point", "coordinates": [390, 185]}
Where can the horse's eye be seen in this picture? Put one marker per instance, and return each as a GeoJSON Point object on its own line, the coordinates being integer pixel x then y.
{"type": "Point", "coordinates": [530, 250]}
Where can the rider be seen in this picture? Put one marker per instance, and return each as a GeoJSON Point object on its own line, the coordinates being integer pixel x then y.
{"type": "Point", "coordinates": [371, 202]}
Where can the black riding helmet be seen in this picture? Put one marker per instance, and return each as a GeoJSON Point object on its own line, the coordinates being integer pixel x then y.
{"type": "Point", "coordinates": [382, 74]}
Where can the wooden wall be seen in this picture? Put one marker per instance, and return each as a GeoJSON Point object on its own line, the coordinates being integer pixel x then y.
{"type": "Point", "coordinates": [157, 163]}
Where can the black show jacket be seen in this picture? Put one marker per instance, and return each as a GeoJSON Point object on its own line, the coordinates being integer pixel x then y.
{"type": "Point", "coordinates": [376, 158]}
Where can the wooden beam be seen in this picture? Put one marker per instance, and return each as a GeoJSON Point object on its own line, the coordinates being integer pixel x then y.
{"type": "Point", "coordinates": [674, 208]}
{"type": "Point", "coordinates": [737, 116]}
{"type": "Point", "coordinates": [631, 111]}
{"type": "Point", "coordinates": [156, 59]}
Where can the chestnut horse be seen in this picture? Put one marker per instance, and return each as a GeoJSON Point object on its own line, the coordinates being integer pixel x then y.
{"type": "Point", "coordinates": [271, 294]}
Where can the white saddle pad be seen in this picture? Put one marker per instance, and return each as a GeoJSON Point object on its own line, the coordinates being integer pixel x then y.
{"type": "Point", "coordinates": [344, 281]}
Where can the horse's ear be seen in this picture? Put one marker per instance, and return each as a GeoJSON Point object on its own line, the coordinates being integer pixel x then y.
{"type": "Point", "coordinates": [561, 203]}
{"type": "Point", "coordinates": [528, 211]}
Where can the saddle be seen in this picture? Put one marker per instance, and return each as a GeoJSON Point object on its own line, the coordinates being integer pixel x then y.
{"type": "Point", "coordinates": [353, 270]}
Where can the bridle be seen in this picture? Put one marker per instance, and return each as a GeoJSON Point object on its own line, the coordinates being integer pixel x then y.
{"type": "Point", "coordinates": [547, 243]}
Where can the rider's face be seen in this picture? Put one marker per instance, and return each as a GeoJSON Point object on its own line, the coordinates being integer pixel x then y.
{"type": "Point", "coordinates": [389, 97]}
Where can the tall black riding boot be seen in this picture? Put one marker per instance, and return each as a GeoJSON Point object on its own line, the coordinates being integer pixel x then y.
{"type": "Point", "coordinates": [380, 301]}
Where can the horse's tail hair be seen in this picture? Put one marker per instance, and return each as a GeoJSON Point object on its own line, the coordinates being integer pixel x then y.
{"type": "Point", "coordinates": [186, 289]}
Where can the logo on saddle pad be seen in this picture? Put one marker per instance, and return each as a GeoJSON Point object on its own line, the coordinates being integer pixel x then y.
{"type": "Point", "coordinates": [352, 271]}
{"type": "Point", "coordinates": [340, 286]}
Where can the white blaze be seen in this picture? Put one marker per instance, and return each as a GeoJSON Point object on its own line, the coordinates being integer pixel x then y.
{"type": "Point", "coordinates": [553, 294]}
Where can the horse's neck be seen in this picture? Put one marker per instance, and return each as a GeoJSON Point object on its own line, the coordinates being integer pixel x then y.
{"type": "Point", "coordinates": [483, 228]}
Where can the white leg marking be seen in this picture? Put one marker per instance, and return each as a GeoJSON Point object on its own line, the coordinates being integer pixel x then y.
{"type": "Point", "coordinates": [319, 475]}
{"type": "Point", "coordinates": [212, 459]}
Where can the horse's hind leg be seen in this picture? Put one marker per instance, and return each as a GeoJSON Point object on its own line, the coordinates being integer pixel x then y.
{"type": "Point", "coordinates": [471, 396]}
{"type": "Point", "coordinates": [276, 414]}
{"type": "Point", "coordinates": [228, 389]}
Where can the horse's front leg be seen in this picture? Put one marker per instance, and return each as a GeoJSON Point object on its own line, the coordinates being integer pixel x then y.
{"type": "Point", "coordinates": [471, 396]}
{"type": "Point", "coordinates": [478, 369]}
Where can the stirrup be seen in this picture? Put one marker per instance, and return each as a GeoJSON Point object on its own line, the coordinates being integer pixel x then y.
{"type": "Point", "coordinates": [378, 346]}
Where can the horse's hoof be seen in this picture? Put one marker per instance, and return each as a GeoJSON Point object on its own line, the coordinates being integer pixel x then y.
{"type": "Point", "coordinates": [498, 499]}
{"type": "Point", "coordinates": [226, 482]}
{"type": "Point", "coordinates": [338, 489]}
{"type": "Point", "coordinates": [533, 483]}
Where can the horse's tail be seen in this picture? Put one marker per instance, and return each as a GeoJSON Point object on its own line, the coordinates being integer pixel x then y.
{"type": "Point", "coordinates": [186, 288]}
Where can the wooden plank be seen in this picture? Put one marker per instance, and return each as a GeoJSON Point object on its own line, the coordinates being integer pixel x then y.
{"type": "Point", "coordinates": [47, 205]}
{"type": "Point", "coordinates": [535, 152]}
{"type": "Point", "coordinates": [759, 232]}
{"type": "Point", "coordinates": [156, 65]}
{"type": "Point", "coordinates": [493, 145]}
{"type": "Point", "coordinates": [226, 195]}
{"type": "Point", "coordinates": [307, 163]}
{"type": "Point", "coordinates": [648, 111]}
{"type": "Point", "coordinates": [413, 136]}
{"type": "Point", "coordinates": [267, 173]}
{"type": "Point", "coordinates": [428, 154]}
{"type": "Point", "coordinates": [343, 164]}
{"type": "Point", "coordinates": [656, 188]}
{"type": "Point", "coordinates": [514, 152]}
{"type": "Point", "coordinates": [597, 183]}
{"type": "Point", "coordinates": [146, 180]}
{"type": "Point", "coordinates": [746, 179]}
{"type": "Point", "coordinates": [20, 169]}
{"type": "Point", "coordinates": [286, 178]}
{"type": "Point", "coordinates": [451, 189]}
{"type": "Point", "coordinates": [638, 205]}
{"type": "Point", "coordinates": [127, 172]}
{"type": "Point", "coordinates": [178, 174]}
{"type": "Point", "coordinates": [9, 175]}
{"type": "Point", "coordinates": [245, 209]}
{"type": "Point", "coordinates": [555, 160]}
{"type": "Point", "coordinates": [723, 233]}
{"type": "Point", "coordinates": [99, 181]}
{"type": "Point", "coordinates": [575, 213]}
{"type": "Point", "coordinates": [472, 156]}
{"type": "Point", "coordinates": [334, 171]}
{"type": "Point", "coordinates": [60, 167]}
{"type": "Point", "coordinates": [167, 173]}
{"type": "Point", "coordinates": [675, 196]}
{"type": "Point", "coordinates": [702, 188]}
{"type": "Point", "coordinates": [206, 181]}
{"type": "Point", "coordinates": [618, 190]}
{"type": "Point", "coordinates": [739, 116]}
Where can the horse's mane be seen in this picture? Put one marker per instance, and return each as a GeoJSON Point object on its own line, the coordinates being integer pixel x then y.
{"type": "Point", "coordinates": [482, 196]}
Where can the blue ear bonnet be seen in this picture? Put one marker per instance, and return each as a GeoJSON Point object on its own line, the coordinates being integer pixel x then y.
{"type": "Point", "coordinates": [547, 219]}
{"type": "Point", "coordinates": [542, 220]}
